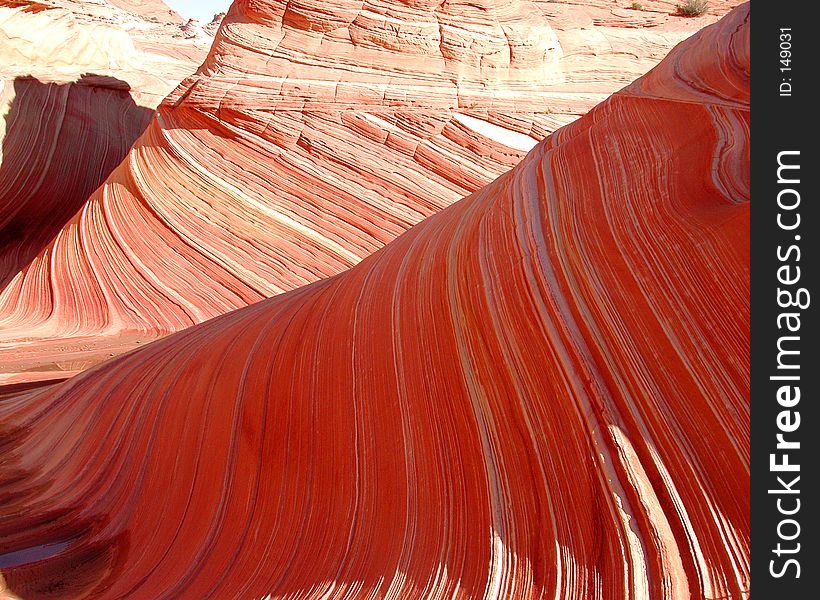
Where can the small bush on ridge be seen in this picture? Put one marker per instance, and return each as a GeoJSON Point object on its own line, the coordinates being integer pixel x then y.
{"type": "Point", "coordinates": [693, 8]}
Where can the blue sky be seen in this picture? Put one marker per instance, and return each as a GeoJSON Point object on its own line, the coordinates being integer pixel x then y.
{"type": "Point", "coordinates": [204, 10]}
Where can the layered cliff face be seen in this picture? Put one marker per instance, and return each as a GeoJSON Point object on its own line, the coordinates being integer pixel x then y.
{"type": "Point", "coordinates": [79, 82]}
{"type": "Point", "coordinates": [151, 9]}
{"type": "Point", "coordinates": [540, 391]}
{"type": "Point", "coordinates": [59, 41]}
{"type": "Point", "coordinates": [309, 138]}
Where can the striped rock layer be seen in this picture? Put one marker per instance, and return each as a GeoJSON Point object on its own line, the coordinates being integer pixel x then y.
{"type": "Point", "coordinates": [58, 41]}
{"type": "Point", "coordinates": [539, 392]}
{"type": "Point", "coordinates": [308, 139]}
{"type": "Point", "coordinates": [79, 82]}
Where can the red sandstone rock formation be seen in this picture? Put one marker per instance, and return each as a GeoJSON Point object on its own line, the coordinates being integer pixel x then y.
{"type": "Point", "coordinates": [60, 40]}
{"type": "Point", "coordinates": [540, 391]}
{"type": "Point", "coordinates": [60, 143]}
{"type": "Point", "coordinates": [212, 27]}
{"type": "Point", "coordinates": [308, 139]}
{"type": "Point", "coordinates": [151, 9]}
{"type": "Point", "coordinates": [192, 29]}
{"type": "Point", "coordinates": [78, 84]}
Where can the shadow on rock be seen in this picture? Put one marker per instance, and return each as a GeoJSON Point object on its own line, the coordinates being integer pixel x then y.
{"type": "Point", "coordinates": [61, 142]}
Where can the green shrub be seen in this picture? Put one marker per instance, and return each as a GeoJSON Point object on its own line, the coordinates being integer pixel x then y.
{"type": "Point", "coordinates": [636, 6]}
{"type": "Point", "coordinates": [693, 8]}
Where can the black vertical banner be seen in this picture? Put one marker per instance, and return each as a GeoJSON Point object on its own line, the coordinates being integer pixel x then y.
{"type": "Point", "coordinates": [784, 294]}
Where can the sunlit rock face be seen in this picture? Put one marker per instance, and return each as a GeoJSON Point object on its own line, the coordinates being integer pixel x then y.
{"type": "Point", "coordinates": [79, 82]}
{"type": "Point", "coordinates": [213, 27]}
{"type": "Point", "coordinates": [539, 392]}
{"type": "Point", "coordinates": [150, 9]}
{"type": "Point", "coordinates": [58, 41]}
{"type": "Point", "coordinates": [312, 135]}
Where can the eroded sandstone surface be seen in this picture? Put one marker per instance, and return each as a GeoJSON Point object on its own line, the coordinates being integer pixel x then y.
{"type": "Point", "coordinates": [310, 136]}
{"type": "Point", "coordinates": [79, 82]}
{"type": "Point", "coordinates": [540, 391]}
